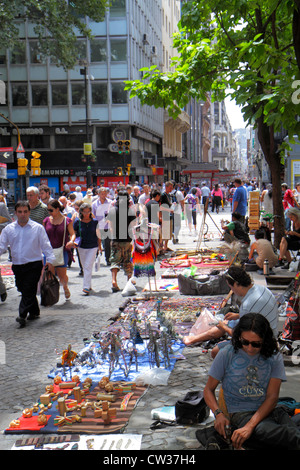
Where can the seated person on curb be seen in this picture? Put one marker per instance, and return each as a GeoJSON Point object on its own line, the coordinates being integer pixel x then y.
{"type": "Point", "coordinates": [291, 241]}
{"type": "Point", "coordinates": [262, 249]}
{"type": "Point", "coordinates": [251, 371]}
{"type": "Point", "coordinates": [254, 298]}
{"type": "Point", "coordinates": [235, 230]}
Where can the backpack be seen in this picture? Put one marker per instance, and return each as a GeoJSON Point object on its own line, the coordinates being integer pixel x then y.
{"type": "Point", "coordinates": [191, 409]}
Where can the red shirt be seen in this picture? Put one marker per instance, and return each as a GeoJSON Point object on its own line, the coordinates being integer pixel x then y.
{"type": "Point", "coordinates": [288, 199]}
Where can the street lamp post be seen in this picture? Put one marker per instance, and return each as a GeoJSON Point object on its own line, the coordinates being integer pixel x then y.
{"type": "Point", "coordinates": [84, 71]}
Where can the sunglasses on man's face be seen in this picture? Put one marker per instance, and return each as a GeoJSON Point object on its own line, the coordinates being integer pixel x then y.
{"type": "Point", "coordinates": [254, 344]}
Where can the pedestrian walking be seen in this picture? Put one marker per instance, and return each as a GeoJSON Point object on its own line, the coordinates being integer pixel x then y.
{"type": "Point", "coordinates": [120, 216]}
{"type": "Point", "coordinates": [60, 231]}
{"type": "Point", "coordinates": [86, 228]}
{"type": "Point", "coordinates": [192, 205]}
{"type": "Point", "coordinates": [29, 242]}
{"type": "Point", "coordinates": [38, 210]}
{"type": "Point", "coordinates": [100, 209]}
{"type": "Point", "coordinates": [239, 200]}
{"type": "Point", "coordinates": [217, 198]}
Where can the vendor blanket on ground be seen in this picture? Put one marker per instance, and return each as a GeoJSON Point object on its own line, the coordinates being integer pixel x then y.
{"type": "Point", "coordinates": [147, 336]}
{"type": "Point", "coordinates": [92, 415]}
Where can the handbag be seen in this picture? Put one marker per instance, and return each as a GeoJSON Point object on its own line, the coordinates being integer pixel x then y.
{"type": "Point", "coordinates": [191, 409]}
{"type": "Point", "coordinates": [59, 252]}
{"type": "Point", "coordinates": [49, 289]}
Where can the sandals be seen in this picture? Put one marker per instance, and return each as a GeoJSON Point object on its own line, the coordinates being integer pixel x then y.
{"type": "Point", "coordinates": [115, 289]}
{"type": "Point", "coordinates": [67, 293]}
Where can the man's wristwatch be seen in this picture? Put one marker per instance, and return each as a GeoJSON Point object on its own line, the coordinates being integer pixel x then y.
{"type": "Point", "coordinates": [217, 412]}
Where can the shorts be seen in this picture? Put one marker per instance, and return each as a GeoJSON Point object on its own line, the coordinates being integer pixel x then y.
{"type": "Point", "coordinates": [120, 256]}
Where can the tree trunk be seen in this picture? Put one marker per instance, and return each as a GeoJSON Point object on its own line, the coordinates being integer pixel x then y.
{"type": "Point", "coordinates": [268, 145]}
{"type": "Point", "coordinates": [296, 31]}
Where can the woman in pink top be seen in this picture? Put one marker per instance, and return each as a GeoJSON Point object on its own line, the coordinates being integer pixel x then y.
{"type": "Point", "coordinates": [60, 231]}
{"type": "Point", "coordinates": [217, 198]}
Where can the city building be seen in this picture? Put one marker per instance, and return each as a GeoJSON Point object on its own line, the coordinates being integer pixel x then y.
{"type": "Point", "coordinates": [58, 111]}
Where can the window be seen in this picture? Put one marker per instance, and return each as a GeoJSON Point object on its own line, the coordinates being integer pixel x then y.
{"type": "Point", "coordinates": [118, 94]}
{"type": "Point", "coordinates": [118, 48]}
{"type": "Point", "coordinates": [118, 8]}
{"type": "Point", "coordinates": [35, 54]}
{"type": "Point", "coordinates": [39, 95]}
{"type": "Point", "coordinates": [19, 95]}
{"type": "Point", "coordinates": [78, 93]}
{"type": "Point", "coordinates": [81, 50]}
{"type": "Point", "coordinates": [99, 93]}
{"type": "Point", "coordinates": [69, 141]}
{"type": "Point", "coordinates": [59, 94]}
{"type": "Point", "coordinates": [98, 50]}
{"type": "Point", "coordinates": [18, 53]}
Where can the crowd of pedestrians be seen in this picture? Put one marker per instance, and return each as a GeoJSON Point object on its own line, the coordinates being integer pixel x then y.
{"type": "Point", "coordinates": [89, 223]}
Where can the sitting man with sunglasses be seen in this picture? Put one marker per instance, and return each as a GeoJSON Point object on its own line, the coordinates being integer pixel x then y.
{"type": "Point", "coordinates": [255, 299]}
{"type": "Point", "coordinates": [251, 370]}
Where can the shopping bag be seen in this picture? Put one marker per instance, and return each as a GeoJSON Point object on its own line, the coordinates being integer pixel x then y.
{"type": "Point", "coordinates": [203, 322]}
{"type": "Point", "coordinates": [49, 289]}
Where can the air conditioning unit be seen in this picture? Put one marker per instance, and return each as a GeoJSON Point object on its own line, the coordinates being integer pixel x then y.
{"type": "Point", "coordinates": [148, 161]}
{"type": "Point", "coordinates": [145, 40]}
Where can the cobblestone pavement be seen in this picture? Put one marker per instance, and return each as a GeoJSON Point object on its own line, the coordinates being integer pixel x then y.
{"type": "Point", "coordinates": [27, 355]}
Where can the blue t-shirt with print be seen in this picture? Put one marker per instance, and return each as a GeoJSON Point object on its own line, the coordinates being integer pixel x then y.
{"type": "Point", "coordinates": [245, 378]}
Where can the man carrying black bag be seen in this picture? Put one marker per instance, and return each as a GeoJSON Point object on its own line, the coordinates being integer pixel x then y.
{"type": "Point", "coordinates": [28, 242]}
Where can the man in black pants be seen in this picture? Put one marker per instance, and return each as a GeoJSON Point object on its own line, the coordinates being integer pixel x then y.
{"type": "Point", "coordinates": [28, 242]}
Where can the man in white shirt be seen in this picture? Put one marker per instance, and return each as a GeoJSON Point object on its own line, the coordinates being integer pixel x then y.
{"type": "Point", "coordinates": [178, 205]}
{"type": "Point", "coordinates": [100, 209]}
{"type": "Point", "coordinates": [28, 241]}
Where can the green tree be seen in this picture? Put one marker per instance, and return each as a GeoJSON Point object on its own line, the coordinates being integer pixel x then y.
{"type": "Point", "coordinates": [55, 24]}
{"type": "Point", "coordinates": [249, 48]}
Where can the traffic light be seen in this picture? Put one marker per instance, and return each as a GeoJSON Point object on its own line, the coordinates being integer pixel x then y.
{"type": "Point", "coordinates": [128, 166]}
{"type": "Point", "coordinates": [127, 146]}
{"type": "Point", "coordinates": [35, 164]}
{"type": "Point", "coordinates": [118, 171]}
{"type": "Point", "coordinates": [22, 166]}
{"type": "Point", "coordinates": [120, 147]}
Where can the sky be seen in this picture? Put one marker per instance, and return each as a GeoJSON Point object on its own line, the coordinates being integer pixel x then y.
{"type": "Point", "coordinates": [234, 114]}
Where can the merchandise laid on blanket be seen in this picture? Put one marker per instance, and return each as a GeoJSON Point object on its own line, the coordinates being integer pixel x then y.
{"type": "Point", "coordinates": [95, 390]}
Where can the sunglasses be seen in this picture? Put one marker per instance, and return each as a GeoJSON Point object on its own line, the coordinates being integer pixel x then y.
{"type": "Point", "coordinates": [50, 210]}
{"type": "Point", "coordinates": [254, 344]}
{"type": "Point", "coordinates": [230, 277]}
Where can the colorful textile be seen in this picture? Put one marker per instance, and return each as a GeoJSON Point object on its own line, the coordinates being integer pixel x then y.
{"type": "Point", "coordinates": [143, 258]}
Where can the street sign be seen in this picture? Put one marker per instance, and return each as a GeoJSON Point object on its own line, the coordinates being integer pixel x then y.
{"type": "Point", "coordinates": [20, 148]}
{"type": "Point", "coordinates": [6, 154]}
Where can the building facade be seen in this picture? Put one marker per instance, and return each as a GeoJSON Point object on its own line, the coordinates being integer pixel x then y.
{"type": "Point", "coordinates": [57, 111]}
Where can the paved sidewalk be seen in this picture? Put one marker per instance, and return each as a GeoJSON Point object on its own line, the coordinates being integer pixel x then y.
{"type": "Point", "coordinates": [30, 353]}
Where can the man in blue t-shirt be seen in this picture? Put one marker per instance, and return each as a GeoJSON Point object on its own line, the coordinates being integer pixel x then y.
{"type": "Point", "coordinates": [239, 201]}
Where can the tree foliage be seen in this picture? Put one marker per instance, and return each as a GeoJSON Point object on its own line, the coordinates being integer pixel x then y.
{"type": "Point", "coordinates": [247, 49]}
{"type": "Point", "coordinates": [57, 22]}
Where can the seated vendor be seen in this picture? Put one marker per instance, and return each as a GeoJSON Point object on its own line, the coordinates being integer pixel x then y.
{"type": "Point", "coordinates": [251, 371]}
{"type": "Point", "coordinates": [235, 230]}
{"type": "Point", "coordinates": [254, 298]}
{"type": "Point", "coordinates": [262, 249]}
{"type": "Point", "coordinates": [291, 241]}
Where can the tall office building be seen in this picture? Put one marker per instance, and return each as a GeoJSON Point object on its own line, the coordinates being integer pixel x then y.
{"type": "Point", "coordinates": [57, 111]}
